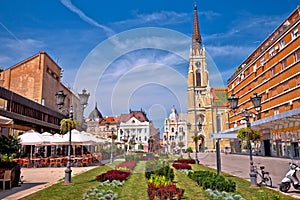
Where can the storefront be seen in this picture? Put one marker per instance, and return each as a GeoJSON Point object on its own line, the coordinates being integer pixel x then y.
{"type": "Point", "coordinates": [280, 135]}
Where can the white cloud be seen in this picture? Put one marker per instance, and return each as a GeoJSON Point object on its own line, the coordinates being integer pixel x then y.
{"type": "Point", "coordinates": [229, 50]}
{"type": "Point", "coordinates": [156, 18]}
{"type": "Point", "coordinates": [209, 14]}
{"type": "Point", "coordinates": [84, 17]}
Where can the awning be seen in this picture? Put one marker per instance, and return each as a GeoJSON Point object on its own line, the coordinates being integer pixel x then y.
{"type": "Point", "coordinates": [5, 122]}
{"type": "Point", "coordinates": [282, 122]}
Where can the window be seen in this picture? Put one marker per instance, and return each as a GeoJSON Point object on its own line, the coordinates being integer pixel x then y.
{"type": "Point", "coordinates": [242, 76]}
{"type": "Point", "coordinates": [198, 78]}
{"type": "Point", "coordinates": [255, 83]}
{"type": "Point", "coordinates": [276, 111]}
{"type": "Point", "coordinates": [271, 52]}
{"type": "Point", "coordinates": [298, 80]}
{"type": "Point", "coordinates": [180, 129]}
{"type": "Point", "coordinates": [285, 86]}
{"type": "Point", "coordinates": [297, 55]}
{"type": "Point", "coordinates": [262, 60]}
{"type": "Point", "coordinates": [295, 33]}
{"type": "Point", "coordinates": [237, 80]}
{"type": "Point", "coordinates": [232, 86]}
{"type": "Point", "coordinates": [282, 43]}
{"type": "Point", "coordinates": [247, 71]}
{"type": "Point", "coordinates": [254, 68]}
{"type": "Point", "coordinates": [43, 102]}
{"type": "Point", "coordinates": [283, 64]}
{"type": "Point", "coordinates": [272, 72]}
{"type": "Point", "coordinates": [145, 139]}
{"type": "Point", "coordinates": [274, 91]}
{"type": "Point", "coordinates": [264, 79]}
{"type": "Point", "coordinates": [172, 130]}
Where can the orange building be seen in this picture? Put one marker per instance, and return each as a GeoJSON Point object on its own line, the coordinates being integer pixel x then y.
{"type": "Point", "coordinates": [37, 78]}
{"type": "Point", "coordinates": [273, 72]}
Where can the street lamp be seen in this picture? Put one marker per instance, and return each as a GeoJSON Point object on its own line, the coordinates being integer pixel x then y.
{"type": "Point", "coordinates": [256, 100]}
{"type": "Point", "coordinates": [112, 138]}
{"type": "Point", "coordinates": [196, 138]}
{"type": "Point", "coordinates": [60, 98]}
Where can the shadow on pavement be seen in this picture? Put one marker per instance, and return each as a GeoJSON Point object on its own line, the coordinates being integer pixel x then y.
{"type": "Point", "coordinates": [22, 187]}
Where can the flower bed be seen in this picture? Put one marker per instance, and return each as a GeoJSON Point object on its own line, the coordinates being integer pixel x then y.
{"type": "Point", "coordinates": [181, 166]}
{"type": "Point", "coordinates": [129, 165]}
{"type": "Point", "coordinates": [111, 175]}
{"type": "Point", "coordinates": [186, 161]}
{"type": "Point", "coordinates": [161, 188]}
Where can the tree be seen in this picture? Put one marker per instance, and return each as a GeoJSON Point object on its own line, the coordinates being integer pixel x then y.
{"type": "Point", "coordinates": [189, 150]}
{"type": "Point", "coordinates": [246, 134]}
{"type": "Point", "coordinates": [8, 146]}
{"type": "Point", "coordinates": [67, 125]}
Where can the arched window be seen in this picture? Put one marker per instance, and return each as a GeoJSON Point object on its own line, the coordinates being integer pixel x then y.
{"type": "Point", "coordinates": [198, 78]}
{"type": "Point", "coordinates": [172, 129]}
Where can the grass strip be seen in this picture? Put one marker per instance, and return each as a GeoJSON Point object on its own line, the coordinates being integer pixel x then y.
{"type": "Point", "coordinates": [80, 184]}
{"type": "Point", "coordinates": [136, 185]}
{"type": "Point", "coordinates": [191, 188]}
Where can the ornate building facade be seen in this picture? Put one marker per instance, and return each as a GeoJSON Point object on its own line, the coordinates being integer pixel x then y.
{"type": "Point", "coordinates": [175, 132]}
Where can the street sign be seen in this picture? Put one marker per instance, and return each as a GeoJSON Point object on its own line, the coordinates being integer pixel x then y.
{"type": "Point", "coordinates": [219, 135]}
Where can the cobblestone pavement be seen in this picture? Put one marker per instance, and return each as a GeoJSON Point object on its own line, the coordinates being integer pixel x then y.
{"type": "Point", "coordinates": [239, 165]}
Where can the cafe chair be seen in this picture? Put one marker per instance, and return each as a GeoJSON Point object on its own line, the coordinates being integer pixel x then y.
{"type": "Point", "coordinates": [6, 177]}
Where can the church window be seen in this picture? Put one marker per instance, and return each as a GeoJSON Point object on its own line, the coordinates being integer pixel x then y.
{"type": "Point", "coordinates": [198, 78]}
{"type": "Point", "coordinates": [172, 129]}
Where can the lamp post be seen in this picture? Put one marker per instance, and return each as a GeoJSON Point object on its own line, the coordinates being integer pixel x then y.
{"type": "Point", "coordinates": [196, 138]}
{"type": "Point", "coordinates": [83, 97]}
{"type": "Point", "coordinates": [112, 138]}
{"type": "Point", "coordinates": [60, 98]}
{"type": "Point", "coordinates": [256, 100]}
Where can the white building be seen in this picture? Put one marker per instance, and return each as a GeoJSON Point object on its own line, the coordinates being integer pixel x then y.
{"type": "Point", "coordinates": [136, 128]}
{"type": "Point", "coordinates": [175, 132]}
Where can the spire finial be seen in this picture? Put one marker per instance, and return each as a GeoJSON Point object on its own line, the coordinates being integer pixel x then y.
{"type": "Point", "coordinates": [195, 5]}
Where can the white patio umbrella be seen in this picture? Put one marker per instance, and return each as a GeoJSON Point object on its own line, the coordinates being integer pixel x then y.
{"type": "Point", "coordinates": [76, 138]}
{"type": "Point", "coordinates": [32, 137]}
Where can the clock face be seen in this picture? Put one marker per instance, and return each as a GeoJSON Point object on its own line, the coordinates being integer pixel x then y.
{"type": "Point", "coordinates": [198, 64]}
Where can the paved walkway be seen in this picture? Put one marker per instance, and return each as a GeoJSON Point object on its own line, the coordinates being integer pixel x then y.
{"type": "Point", "coordinates": [36, 179]}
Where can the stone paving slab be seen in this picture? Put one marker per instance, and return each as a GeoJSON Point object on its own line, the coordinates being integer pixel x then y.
{"type": "Point", "coordinates": [35, 179]}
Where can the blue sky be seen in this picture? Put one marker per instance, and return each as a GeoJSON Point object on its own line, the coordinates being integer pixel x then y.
{"type": "Point", "coordinates": [134, 54]}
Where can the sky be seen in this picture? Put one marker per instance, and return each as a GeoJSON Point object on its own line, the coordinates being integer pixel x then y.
{"type": "Point", "coordinates": [134, 54]}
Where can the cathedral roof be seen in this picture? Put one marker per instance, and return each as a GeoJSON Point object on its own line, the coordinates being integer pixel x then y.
{"type": "Point", "coordinates": [95, 113]}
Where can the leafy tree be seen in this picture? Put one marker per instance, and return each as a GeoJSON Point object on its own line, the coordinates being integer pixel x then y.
{"type": "Point", "coordinates": [8, 146]}
{"type": "Point", "coordinates": [189, 150]}
{"type": "Point", "coordinates": [245, 134]}
{"type": "Point", "coordinates": [67, 125]}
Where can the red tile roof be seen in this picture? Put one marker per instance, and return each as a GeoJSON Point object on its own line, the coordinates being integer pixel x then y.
{"type": "Point", "coordinates": [139, 115]}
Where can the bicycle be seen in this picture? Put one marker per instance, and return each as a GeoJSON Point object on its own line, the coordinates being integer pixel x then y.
{"type": "Point", "coordinates": [263, 177]}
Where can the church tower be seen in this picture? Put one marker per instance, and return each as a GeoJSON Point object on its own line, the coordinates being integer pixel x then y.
{"type": "Point", "coordinates": [199, 103]}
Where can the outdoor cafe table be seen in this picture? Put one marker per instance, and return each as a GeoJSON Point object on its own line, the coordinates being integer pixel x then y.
{"type": "Point", "coordinates": [36, 162]}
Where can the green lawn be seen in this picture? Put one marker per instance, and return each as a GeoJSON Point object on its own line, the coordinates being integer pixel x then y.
{"type": "Point", "coordinates": [136, 186]}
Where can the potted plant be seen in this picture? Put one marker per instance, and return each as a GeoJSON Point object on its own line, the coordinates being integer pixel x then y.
{"type": "Point", "coordinates": [9, 147]}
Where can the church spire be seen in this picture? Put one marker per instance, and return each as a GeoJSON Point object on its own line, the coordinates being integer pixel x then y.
{"type": "Point", "coordinates": [196, 29]}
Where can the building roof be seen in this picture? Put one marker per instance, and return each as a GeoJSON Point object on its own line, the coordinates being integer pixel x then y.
{"type": "Point", "coordinates": [219, 97]}
{"type": "Point", "coordinates": [139, 115]}
{"type": "Point", "coordinates": [95, 113]}
{"type": "Point", "coordinates": [111, 120]}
